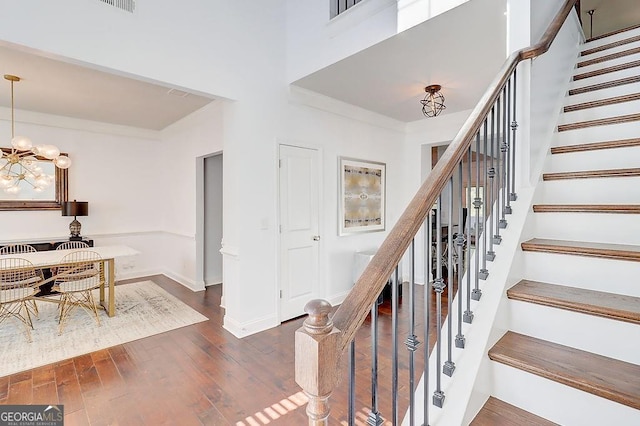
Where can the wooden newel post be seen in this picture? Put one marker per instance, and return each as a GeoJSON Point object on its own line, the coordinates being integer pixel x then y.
{"type": "Point", "coordinates": [317, 359]}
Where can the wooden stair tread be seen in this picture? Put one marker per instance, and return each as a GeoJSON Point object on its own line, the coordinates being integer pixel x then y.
{"type": "Point", "coordinates": [606, 70]}
{"type": "Point", "coordinates": [599, 122]}
{"type": "Point", "coordinates": [496, 412]}
{"type": "Point", "coordinates": [603, 102]}
{"type": "Point", "coordinates": [605, 85]}
{"type": "Point", "coordinates": [599, 375]}
{"type": "Point", "coordinates": [622, 30]}
{"type": "Point", "coordinates": [587, 208]}
{"type": "Point", "coordinates": [588, 174]}
{"type": "Point", "coordinates": [623, 143]}
{"type": "Point", "coordinates": [582, 248]}
{"type": "Point", "coordinates": [609, 57]}
{"type": "Point", "coordinates": [610, 45]}
{"type": "Point", "coordinates": [607, 305]}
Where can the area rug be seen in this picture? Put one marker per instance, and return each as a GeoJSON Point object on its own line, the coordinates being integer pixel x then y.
{"type": "Point", "coordinates": [142, 309]}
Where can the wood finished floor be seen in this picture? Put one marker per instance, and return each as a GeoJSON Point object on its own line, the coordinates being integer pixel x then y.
{"type": "Point", "coordinates": [203, 375]}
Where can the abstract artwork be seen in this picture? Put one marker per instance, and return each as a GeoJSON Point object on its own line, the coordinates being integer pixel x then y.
{"type": "Point", "coordinates": [362, 196]}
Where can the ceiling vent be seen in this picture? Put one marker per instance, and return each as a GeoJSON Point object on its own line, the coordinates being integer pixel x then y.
{"type": "Point", "coordinates": [128, 5]}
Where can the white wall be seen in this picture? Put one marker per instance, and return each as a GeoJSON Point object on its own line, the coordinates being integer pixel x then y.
{"type": "Point", "coordinates": [341, 130]}
{"type": "Point", "coordinates": [550, 78]}
{"type": "Point", "coordinates": [116, 174]}
{"type": "Point", "coordinates": [315, 41]}
{"type": "Point", "coordinates": [197, 135]}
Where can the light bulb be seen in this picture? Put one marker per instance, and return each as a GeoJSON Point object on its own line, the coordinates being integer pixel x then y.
{"type": "Point", "coordinates": [6, 181]}
{"type": "Point", "coordinates": [62, 162]}
{"type": "Point", "coordinates": [21, 143]}
{"type": "Point", "coordinates": [12, 189]}
{"type": "Point", "coordinates": [42, 181]}
{"type": "Point", "coordinates": [49, 151]}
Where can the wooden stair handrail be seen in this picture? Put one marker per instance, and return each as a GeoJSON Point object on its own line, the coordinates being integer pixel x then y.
{"type": "Point", "coordinates": [356, 306]}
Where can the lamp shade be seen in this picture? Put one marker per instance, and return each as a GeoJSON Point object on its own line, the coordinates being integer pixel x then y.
{"type": "Point", "coordinates": [75, 208]}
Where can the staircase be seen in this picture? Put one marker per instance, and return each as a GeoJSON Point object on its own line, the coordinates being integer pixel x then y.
{"type": "Point", "coordinates": [571, 352]}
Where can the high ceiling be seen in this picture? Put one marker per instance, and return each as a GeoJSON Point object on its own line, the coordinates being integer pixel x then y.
{"type": "Point", "coordinates": [451, 50]}
{"type": "Point", "coordinates": [388, 78]}
{"type": "Point", "coordinates": [53, 87]}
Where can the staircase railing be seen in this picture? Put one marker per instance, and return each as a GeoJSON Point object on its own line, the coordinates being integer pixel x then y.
{"type": "Point", "coordinates": [488, 138]}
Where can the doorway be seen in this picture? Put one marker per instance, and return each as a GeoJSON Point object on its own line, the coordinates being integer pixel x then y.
{"type": "Point", "coordinates": [209, 234]}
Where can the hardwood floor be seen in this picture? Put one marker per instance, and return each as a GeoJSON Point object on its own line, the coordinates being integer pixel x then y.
{"type": "Point", "coordinates": [203, 375]}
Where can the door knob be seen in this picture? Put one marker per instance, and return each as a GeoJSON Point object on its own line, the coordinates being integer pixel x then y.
{"type": "Point", "coordinates": [316, 238]}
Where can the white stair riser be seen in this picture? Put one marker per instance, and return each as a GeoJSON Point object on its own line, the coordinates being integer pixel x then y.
{"type": "Point", "coordinates": [607, 64]}
{"type": "Point", "coordinates": [618, 158]}
{"type": "Point", "coordinates": [597, 134]}
{"type": "Point", "coordinates": [597, 95]}
{"type": "Point", "coordinates": [611, 39]}
{"type": "Point", "coordinates": [609, 51]}
{"type": "Point", "coordinates": [556, 402]}
{"type": "Point", "coordinates": [605, 78]}
{"type": "Point", "coordinates": [602, 336]}
{"type": "Point", "coordinates": [590, 191]}
{"type": "Point", "coordinates": [594, 227]}
{"type": "Point", "coordinates": [606, 111]}
{"type": "Point", "coordinates": [614, 276]}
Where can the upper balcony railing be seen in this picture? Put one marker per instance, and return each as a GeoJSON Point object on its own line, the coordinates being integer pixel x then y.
{"type": "Point", "coordinates": [339, 6]}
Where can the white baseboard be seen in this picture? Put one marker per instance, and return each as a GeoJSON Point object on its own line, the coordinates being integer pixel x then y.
{"type": "Point", "coordinates": [189, 283]}
{"type": "Point", "coordinates": [241, 330]}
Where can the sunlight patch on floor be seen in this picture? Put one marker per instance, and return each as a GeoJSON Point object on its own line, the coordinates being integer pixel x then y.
{"type": "Point", "coordinates": [275, 411]}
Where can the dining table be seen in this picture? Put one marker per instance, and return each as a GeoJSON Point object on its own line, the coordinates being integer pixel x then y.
{"type": "Point", "coordinates": [108, 254]}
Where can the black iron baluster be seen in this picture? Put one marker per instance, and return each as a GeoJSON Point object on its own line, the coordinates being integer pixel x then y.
{"type": "Point", "coordinates": [507, 209]}
{"type": "Point", "coordinates": [495, 215]}
{"type": "Point", "coordinates": [468, 314]}
{"type": "Point", "coordinates": [491, 255]}
{"type": "Point", "coordinates": [484, 272]}
{"type": "Point", "coordinates": [503, 156]}
{"type": "Point", "coordinates": [438, 286]}
{"type": "Point", "coordinates": [514, 126]}
{"type": "Point", "coordinates": [460, 240]}
{"type": "Point", "coordinates": [412, 342]}
{"type": "Point", "coordinates": [476, 293]}
{"type": "Point", "coordinates": [394, 347]}
{"type": "Point", "coordinates": [449, 366]}
{"type": "Point", "coordinates": [427, 315]}
{"type": "Point", "coordinates": [374, 418]}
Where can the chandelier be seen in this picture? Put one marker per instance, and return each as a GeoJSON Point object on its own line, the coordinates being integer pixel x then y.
{"type": "Point", "coordinates": [433, 102]}
{"type": "Point", "coordinates": [20, 165]}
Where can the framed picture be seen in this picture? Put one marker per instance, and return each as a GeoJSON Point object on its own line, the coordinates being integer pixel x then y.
{"type": "Point", "coordinates": [362, 196]}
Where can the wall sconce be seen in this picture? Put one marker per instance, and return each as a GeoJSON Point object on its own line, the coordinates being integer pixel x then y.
{"type": "Point", "coordinates": [75, 208]}
{"type": "Point", "coordinates": [433, 102]}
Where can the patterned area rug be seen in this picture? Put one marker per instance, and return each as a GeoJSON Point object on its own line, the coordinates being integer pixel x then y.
{"type": "Point", "coordinates": [142, 309]}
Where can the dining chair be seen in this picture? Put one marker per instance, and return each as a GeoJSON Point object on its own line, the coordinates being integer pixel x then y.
{"type": "Point", "coordinates": [80, 272]}
{"type": "Point", "coordinates": [21, 249]}
{"type": "Point", "coordinates": [19, 281]}
{"type": "Point", "coordinates": [72, 245]}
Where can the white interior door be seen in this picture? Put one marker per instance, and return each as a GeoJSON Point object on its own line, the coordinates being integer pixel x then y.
{"type": "Point", "coordinates": [299, 229]}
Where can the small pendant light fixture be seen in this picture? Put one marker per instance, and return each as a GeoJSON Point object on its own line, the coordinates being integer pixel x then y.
{"type": "Point", "coordinates": [433, 102]}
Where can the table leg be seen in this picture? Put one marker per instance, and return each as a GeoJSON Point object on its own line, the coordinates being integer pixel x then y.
{"type": "Point", "coordinates": [111, 311]}
{"type": "Point", "coordinates": [102, 285]}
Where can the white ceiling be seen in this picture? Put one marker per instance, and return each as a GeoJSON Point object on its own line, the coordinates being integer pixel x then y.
{"type": "Point", "coordinates": [389, 78]}
{"type": "Point", "coordinates": [454, 50]}
{"type": "Point", "coordinates": [54, 87]}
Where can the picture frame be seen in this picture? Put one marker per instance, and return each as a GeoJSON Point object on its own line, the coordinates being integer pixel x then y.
{"type": "Point", "coordinates": [362, 196]}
